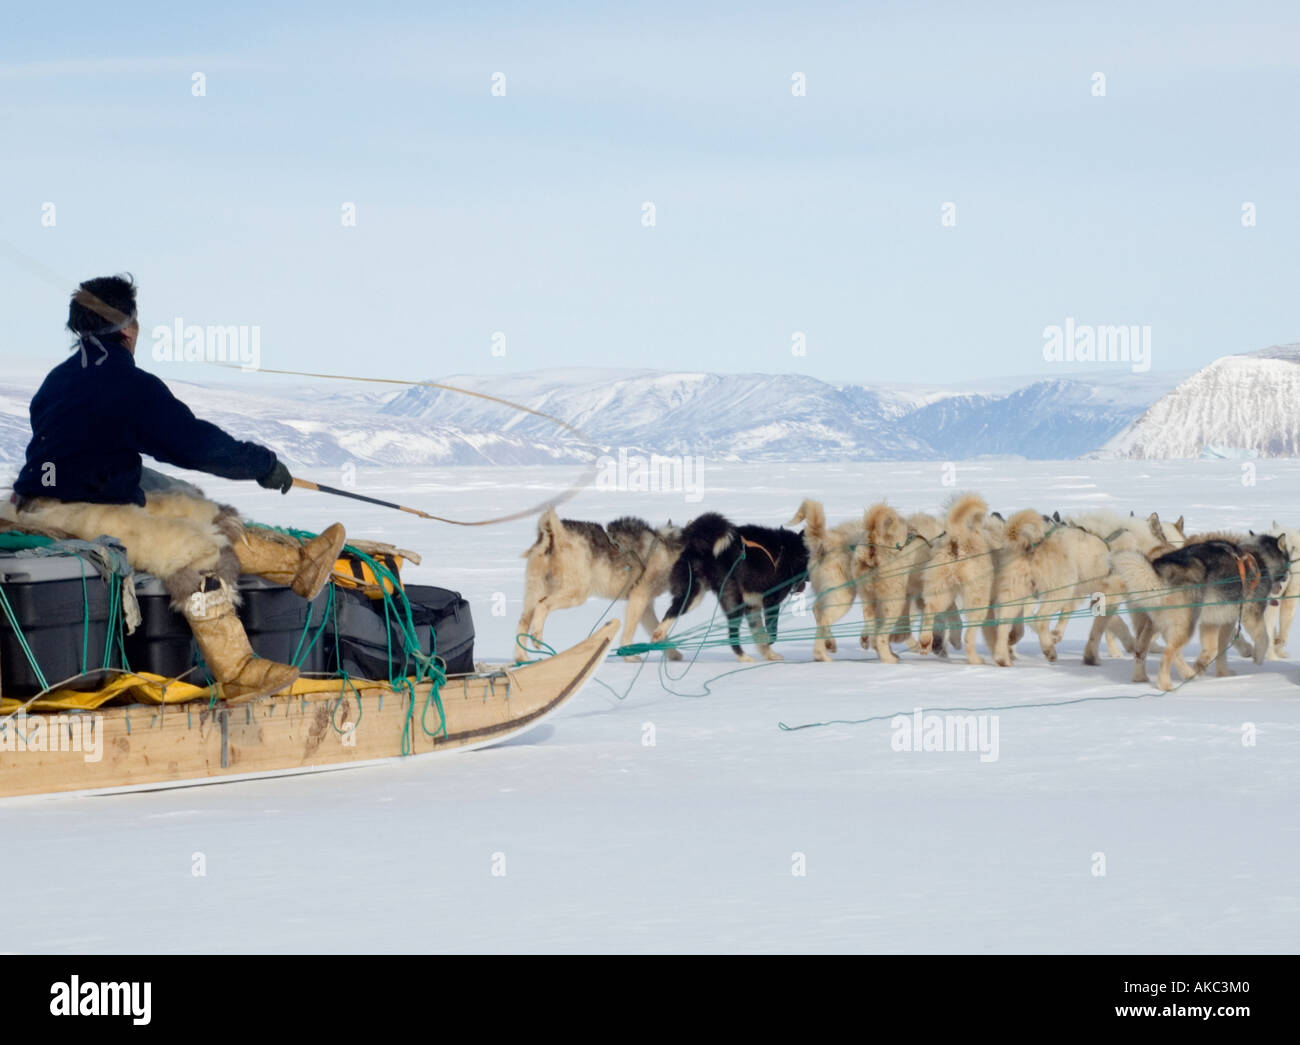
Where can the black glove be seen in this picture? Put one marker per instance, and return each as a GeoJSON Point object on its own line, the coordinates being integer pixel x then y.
{"type": "Point", "coordinates": [278, 478]}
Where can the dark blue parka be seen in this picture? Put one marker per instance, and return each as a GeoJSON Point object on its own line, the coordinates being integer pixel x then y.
{"type": "Point", "coordinates": [97, 412]}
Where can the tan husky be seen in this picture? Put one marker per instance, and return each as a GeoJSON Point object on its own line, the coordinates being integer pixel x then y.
{"type": "Point", "coordinates": [888, 567]}
{"type": "Point", "coordinates": [1043, 571]}
{"type": "Point", "coordinates": [960, 570]}
{"type": "Point", "coordinates": [571, 562]}
{"type": "Point", "coordinates": [830, 570]}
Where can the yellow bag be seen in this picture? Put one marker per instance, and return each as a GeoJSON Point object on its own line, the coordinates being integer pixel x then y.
{"type": "Point", "coordinates": [351, 571]}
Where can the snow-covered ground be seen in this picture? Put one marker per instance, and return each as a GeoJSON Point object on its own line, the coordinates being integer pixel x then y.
{"type": "Point", "coordinates": [690, 844]}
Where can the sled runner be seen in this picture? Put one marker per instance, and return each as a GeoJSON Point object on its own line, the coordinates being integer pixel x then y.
{"type": "Point", "coordinates": [319, 724]}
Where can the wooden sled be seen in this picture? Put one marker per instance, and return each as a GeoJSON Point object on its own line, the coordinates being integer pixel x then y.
{"type": "Point", "coordinates": [340, 725]}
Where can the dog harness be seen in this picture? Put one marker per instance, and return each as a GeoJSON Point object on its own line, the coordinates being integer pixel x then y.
{"type": "Point", "coordinates": [1248, 562]}
{"type": "Point", "coordinates": [754, 544]}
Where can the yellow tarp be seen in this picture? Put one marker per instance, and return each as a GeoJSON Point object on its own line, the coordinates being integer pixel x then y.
{"type": "Point", "coordinates": [144, 688]}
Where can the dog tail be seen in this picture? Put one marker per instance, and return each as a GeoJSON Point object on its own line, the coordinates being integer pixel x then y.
{"type": "Point", "coordinates": [711, 533]}
{"type": "Point", "coordinates": [883, 525]}
{"type": "Point", "coordinates": [966, 512]}
{"type": "Point", "coordinates": [1025, 528]}
{"type": "Point", "coordinates": [1143, 585]}
{"type": "Point", "coordinates": [813, 514]}
{"type": "Point", "coordinates": [548, 526]}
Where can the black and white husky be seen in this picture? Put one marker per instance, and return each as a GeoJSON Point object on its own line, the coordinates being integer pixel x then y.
{"type": "Point", "coordinates": [749, 568]}
{"type": "Point", "coordinates": [1221, 581]}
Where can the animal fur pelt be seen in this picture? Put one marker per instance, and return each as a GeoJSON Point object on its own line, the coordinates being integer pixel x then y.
{"type": "Point", "coordinates": [176, 537]}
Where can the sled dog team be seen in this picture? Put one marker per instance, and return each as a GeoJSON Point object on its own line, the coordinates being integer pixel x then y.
{"type": "Point", "coordinates": [930, 582]}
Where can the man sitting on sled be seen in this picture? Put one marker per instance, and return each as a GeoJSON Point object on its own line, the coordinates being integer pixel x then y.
{"type": "Point", "coordinates": [94, 415]}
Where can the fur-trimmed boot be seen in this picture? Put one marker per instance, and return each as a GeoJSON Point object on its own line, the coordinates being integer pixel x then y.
{"type": "Point", "coordinates": [306, 568]}
{"type": "Point", "coordinates": [221, 637]}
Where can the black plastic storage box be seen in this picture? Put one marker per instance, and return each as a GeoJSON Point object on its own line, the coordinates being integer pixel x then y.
{"type": "Point", "coordinates": [162, 644]}
{"type": "Point", "coordinates": [274, 618]}
{"type": "Point", "coordinates": [361, 645]}
{"type": "Point", "coordinates": [281, 624]}
{"type": "Point", "coordinates": [62, 607]}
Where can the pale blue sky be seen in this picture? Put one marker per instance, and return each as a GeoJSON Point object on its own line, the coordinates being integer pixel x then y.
{"type": "Point", "coordinates": [775, 214]}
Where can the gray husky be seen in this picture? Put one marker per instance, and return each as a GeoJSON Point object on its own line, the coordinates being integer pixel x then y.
{"type": "Point", "coordinates": [1220, 581]}
{"type": "Point", "coordinates": [573, 561]}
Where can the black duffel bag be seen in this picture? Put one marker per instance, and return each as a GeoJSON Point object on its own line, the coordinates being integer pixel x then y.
{"type": "Point", "coordinates": [363, 643]}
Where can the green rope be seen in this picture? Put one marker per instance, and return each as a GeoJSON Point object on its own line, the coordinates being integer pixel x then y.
{"type": "Point", "coordinates": [300, 652]}
{"type": "Point", "coordinates": [114, 617]}
{"type": "Point", "coordinates": [85, 620]}
{"type": "Point", "coordinates": [975, 711]}
{"type": "Point", "coordinates": [22, 639]}
{"type": "Point", "coordinates": [701, 636]}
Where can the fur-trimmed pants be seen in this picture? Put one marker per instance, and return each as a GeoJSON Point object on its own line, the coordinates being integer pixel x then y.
{"type": "Point", "coordinates": [176, 536]}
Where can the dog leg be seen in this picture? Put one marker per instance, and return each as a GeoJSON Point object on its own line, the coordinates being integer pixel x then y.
{"type": "Point", "coordinates": [1225, 642]}
{"type": "Point", "coordinates": [534, 588]}
{"type": "Point", "coordinates": [1176, 639]}
{"type": "Point", "coordinates": [890, 611]}
{"type": "Point", "coordinates": [913, 646]}
{"type": "Point", "coordinates": [951, 625]}
{"type": "Point", "coordinates": [536, 626]}
{"type": "Point", "coordinates": [1046, 637]}
{"type": "Point", "coordinates": [1285, 614]}
{"type": "Point", "coordinates": [925, 635]}
{"type": "Point", "coordinates": [733, 633]}
{"type": "Point", "coordinates": [732, 601]}
{"type": "Point", "coordinates": [1058, 630]}
{"type": "Point", "coordinates": [635, 608]}
{"type": "Point", "coordinates": [676, 608]}
{"type": "Point", "coordinates": [827, 612]}
{"type": "Point", "coordinates": [867, 597]}
{"type": "Point", "coordinates": [1172, 646]}
{"type": "Point", "coordinates": [524, 627]}
{"type": "Point", "coordinates": [1118, 629]}
{"type": "Point", "coordinates": [1259, 636]}
{"type": "Point", "coordinates": [987, 618]}
{"type": "Point", "coordinates": [662, 629]}
{"type": "Point", "coordinates": [1146, 631]}
{"type": "Point", "coordinates": [1002, 634]}
{"type": "Point", "coordinates": [823, 643]}
{"type": "Point", "coordinates": [1100, 626]}
{"type": "Point", "coordinates": [767, 633]}
{"type": "Point", "coordinates": [1209, 647]}
{"type": "Point", "coordinates": [968, 640]}
{"type": "Point", "coordinates": [977, 603]}
{"type": "Point", "coordinates": [651, 624]}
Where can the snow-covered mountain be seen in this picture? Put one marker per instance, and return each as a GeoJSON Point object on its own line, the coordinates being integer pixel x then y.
{"type": "Point", "coordinates": [740, 417]}
{"type": "Point", "coordinates": [792, 417]}
{"type": "Point", "coordinates": [1247, 405]}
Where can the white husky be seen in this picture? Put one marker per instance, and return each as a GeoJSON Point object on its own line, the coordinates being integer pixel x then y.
{"type": "Point", "coordinates": [1278, 613]}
